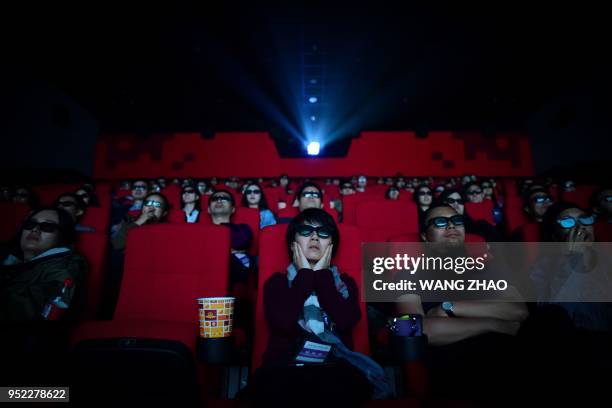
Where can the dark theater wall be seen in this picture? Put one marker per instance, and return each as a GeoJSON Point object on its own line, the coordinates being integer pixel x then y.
{"type": "Point", "coordinates": [42, 128]}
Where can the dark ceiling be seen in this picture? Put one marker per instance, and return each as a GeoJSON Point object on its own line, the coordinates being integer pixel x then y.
{"type": "Point", "coordinates": [205, 69]}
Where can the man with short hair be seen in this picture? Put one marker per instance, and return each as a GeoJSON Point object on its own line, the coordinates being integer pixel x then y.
{"type": "Point", "coordinates": [221, 206]}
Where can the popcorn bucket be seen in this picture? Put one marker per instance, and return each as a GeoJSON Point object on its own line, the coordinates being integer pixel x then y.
{"type": "Point", "coordinates": [216, 316]}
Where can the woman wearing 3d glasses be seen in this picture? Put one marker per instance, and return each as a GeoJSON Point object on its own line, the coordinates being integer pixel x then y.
{"type": "Point", "coordinates": [574, 276]}
{"type": "Point", "coordinates": [253, 197]}
{"type": "Point", "coordinates": [154, 210]}
{"type": "Point", "coordinates": [308, 308]}
{"type": "Point", "coordinates": [42, 277]}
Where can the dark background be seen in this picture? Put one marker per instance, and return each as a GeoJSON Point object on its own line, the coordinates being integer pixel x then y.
{"type": "Point", "coordinates": [70, 73]}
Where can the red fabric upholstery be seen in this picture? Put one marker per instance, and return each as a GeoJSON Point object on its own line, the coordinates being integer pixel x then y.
{"type": "Point", "coordinates": [603, 231]}
{"type": "Point", "coordinates": [161, 282]}
{"type": "Point", "coordinates": [349, 206]}
{"type": "Point", "coordinates": [11, 215]}
{"type": "Point", "coordinates": [416, 237]}
{"type": "Point", "coordinates": [96, 217]}
{"type": "Point", "coordinates": [293, 211]}
{"type": "Point", "coordinates": [480, 211]}
{"type": "Point", "coordinates": [378, 220]}
{"type": "Point", "coordinates": [273, 258]}
{"type": "Point", "coordinates": [530, 232]}
{"type": "Point", "coordinates": [242, 215]}
{"type": "Point", "coordinates": [173, 194]}
{"type": "Point", "coordinates": [249, 216]}
{"type": "Point", "coordinates": [580, 196]}
{"type": "Point", "coordinates": [372, 153]}
{"type": "Point", "coordinates": [93, 246]}
{"type": "Point", "coordinates": [514, 215]}
{"type": "Point", "coordinates": [48, 193]}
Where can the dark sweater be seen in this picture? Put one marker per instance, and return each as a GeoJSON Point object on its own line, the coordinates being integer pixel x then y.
{"type": "Point", "coordinates": [283, 307]}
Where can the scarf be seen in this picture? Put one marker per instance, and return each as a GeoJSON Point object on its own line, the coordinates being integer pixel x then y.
{"type": "Point", "coordinates": [313, 321]}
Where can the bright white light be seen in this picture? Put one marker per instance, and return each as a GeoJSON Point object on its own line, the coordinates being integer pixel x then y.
{"type": "Point", "coordinates": [313, 148]}
{"type": "Point", "coordinates": [313, 99]}
{"type": "Point", "coordinates": [313, 118]}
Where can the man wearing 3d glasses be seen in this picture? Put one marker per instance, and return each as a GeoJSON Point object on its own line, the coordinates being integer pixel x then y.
{"type": "Point", "coordinates": [154, 210]}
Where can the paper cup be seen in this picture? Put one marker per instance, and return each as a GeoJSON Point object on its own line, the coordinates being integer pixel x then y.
{"type": "Point", "coordinates": [216, 316]}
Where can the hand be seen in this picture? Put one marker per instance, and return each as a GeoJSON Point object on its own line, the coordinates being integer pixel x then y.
{"type": "Point", "coordinates": [146, 215]}
{"type": "Point", "coordinates": [325, 260]}
{"type": "Point", "coordinates": [282, 205]}
{"type": "Point", "coordinates": [436, 312]}
{"type": "Point", "coordinates": [299, 259]}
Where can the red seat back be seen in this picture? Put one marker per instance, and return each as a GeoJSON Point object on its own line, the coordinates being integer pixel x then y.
{"type": "Point", "coordinates": [580, 196]}
{"type": "Point", "coordinates": [514, 215]}
{"type": "Point", "coordinates": [293, 211]}
{"type": "Point", "coordinates": [274, 258]}
{"type": "Point", "coordinates": [173, 194]}
{"type": "Point", "coordinates": [167, 267]}
{"type": "Point", "coordinates": [96, 217]}
{"type": "Point", "coordinates": [378, 220]}
{"type": "Point", "coordinates": [93, 246]}
{"type": "Point", "coordinates": [603, 231]}
{"type": "Point", "coordinates": [250, 217]}
{"type": "Point", "coordinates": [349, 206]}
{"type": "Point", "coordinates": [480, 211]}
{"type": "Point", "coordinates": [48, 193]}
{"type": "Point", "coordinates": [11, 216]}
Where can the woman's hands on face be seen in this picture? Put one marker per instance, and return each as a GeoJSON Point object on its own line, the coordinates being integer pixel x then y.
{"type": "Point", "coordinates": [299, 259]}
{"type": "Point", "coordinates": [325, 260]}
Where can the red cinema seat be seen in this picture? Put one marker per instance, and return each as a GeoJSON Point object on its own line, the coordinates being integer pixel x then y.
{"type": "Point", "coordinates": [242, 215]}
{"type": "Point", "coordinates": [161, 282]}
{"type": "Point", "coordinates": [273, 258]}
{"type": "Point", "coordinates": [480, 211]}
{"type": "Point", "coordinates": [48, 193]}
{"type": "Point", "coordinates": [416, 237]}
{"type": "Point", "coordinates": [349, 206]}
{"type": "Point", "coordinates": [378, 220]}
{"type": "Point", "coordinates": [173, 194]}
{"type": "Point", "coordinates": [250, 217]}
{"type": "Point", "coordinates": [96, 217]}
{"type": "Point", "coordinates": [514, 216]}
{"type": "Point", "coordinates": [93, 246]}
{"type": "Point", "coordinates": [603, 231]}
{"type": "Point", "coordinates": [531, 232]}
{"type": "Point", "coordinates": [11, 216]}
{"type": "Point", "coordinates": [289, 213]}
{"type": "Point", "coordinates": [580, 196]}
{"type": "Point", "coordinates": [271, 194]}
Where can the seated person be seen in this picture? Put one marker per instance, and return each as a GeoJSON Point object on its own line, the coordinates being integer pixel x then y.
{"type": "Point", "coordinates": [129, 205]}
{"type": "Point", "coordinates": [362, 183]}
{"type": "Point", "coordinates": [454, 199]}
{"type": "Point", "coordinates": [253, 197]}
{"type": "Point", "coordinates": [190, 204]}
{"type": "Point", "coordinates": [602, 205]}
{"type": "Point", "coordinates": [154, 210]}
{"type": "Point", "coordinates": [473, 192]}
{"type": "Point", "coordinates": [75, 206]}
{"type": "Point", "coordinates": [392, 193]}
{"type": "Point", "coordinates": [309, 195]}
{"type": "Point", "coordinates": [6, 194]}
{"type": "Point", "coordinates": [574, 277]}
{"type": "Point", "coordinates": [23, 195]}
{"type": "Point", "coordinates": [42, 277]}
{"type": "Point", "coordinates": [457, 329]}
{"type": "Point", "coordinates": [221, 206]}
{"type": "Point", "coordinates": [88, 196]}
{"type": "Point", "coordinates": [536, 202]}
{"type": "Point", "coordinates": [423, 197]}
{"type": "Point", "coordinates": [311, 301]}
